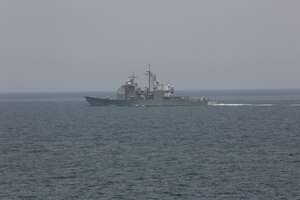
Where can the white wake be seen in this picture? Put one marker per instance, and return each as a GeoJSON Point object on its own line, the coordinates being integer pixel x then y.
{"type": "Point", "coordinates": [238, 104]}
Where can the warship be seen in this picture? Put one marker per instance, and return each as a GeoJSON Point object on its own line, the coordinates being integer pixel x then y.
{"type": "Point", "coordinates": [155, 94]}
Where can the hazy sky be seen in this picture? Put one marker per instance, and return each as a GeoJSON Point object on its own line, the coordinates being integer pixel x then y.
{"type": "Point", "coordinates": [90, 45]}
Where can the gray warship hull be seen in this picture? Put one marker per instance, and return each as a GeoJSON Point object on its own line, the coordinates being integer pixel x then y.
{"type": "Point", "coordinates": [180, 101]}
{"type": "Point", "coordinates": [156, 94]}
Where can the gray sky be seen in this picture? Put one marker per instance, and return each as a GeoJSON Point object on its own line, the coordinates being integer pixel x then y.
{"type": "Point", "coordinates": [90, 45]}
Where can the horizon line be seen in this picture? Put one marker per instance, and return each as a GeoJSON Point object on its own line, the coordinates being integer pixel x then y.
{"type": "Point", "coordinates": [181, 90]}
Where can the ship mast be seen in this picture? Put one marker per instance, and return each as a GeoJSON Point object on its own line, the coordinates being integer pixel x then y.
{"type": "Point", "coordinates": [149, 74]}
{"type": "Point", "coordinates": [132, 76]}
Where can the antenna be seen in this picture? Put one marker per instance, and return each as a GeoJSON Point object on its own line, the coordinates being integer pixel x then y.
{"type": "Point", "coordinates": [132, 76]}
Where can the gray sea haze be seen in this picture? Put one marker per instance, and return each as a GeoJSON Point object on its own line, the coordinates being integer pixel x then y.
{"type": "Point", "coordinates": [246, 146]}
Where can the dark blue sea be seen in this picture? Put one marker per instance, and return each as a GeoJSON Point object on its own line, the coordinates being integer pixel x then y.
{"type": "Point", "coordinates": [245, 146]}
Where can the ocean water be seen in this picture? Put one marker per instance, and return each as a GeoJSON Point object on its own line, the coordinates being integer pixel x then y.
{"type": "Point", "coordinates": [245, 146]}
